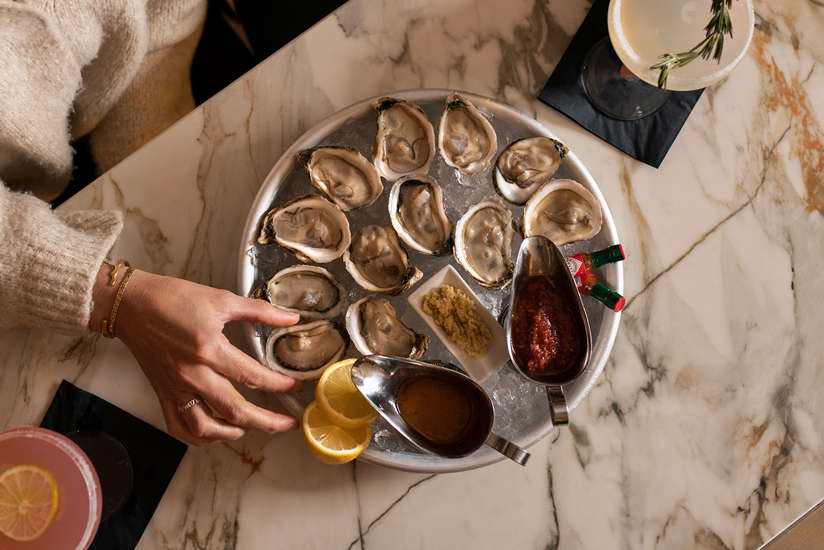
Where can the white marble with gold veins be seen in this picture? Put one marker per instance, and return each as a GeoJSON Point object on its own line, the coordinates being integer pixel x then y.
{"type": "Point", "coordinates": [705, 430]}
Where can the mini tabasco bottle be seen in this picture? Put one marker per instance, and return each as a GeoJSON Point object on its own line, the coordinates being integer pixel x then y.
{"type": "Point", "coordinates": [589, 286]}
{"type": "Point", "coordinates": [580, 264]}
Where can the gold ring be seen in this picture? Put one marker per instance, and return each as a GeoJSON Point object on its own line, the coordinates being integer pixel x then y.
{"type": "Point", "coordinates": [188, 405]}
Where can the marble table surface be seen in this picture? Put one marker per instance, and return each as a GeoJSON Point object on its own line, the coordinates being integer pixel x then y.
{"type": "Point", "coordinates": [705, 428]}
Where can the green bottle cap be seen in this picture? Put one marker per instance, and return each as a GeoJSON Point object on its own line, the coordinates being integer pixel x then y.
{"type": "Point", "coordinates": [609, 298]}
{"type": "Point", "coordinates": [614, 253]}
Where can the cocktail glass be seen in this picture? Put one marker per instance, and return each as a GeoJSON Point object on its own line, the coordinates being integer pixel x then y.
{"type": "Point", "coordinates": [616, 74]}
{"type": "Point", "coordinates": [79, 494]}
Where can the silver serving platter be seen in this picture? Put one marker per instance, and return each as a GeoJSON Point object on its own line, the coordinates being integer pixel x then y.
{"type": "Point", "coordinates": [521, 407]}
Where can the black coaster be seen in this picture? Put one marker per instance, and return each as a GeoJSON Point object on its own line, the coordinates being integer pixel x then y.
{"type": "Point", "coordinates": [134, 461]}
{"type": "Point", "coordinates": [647, 139]}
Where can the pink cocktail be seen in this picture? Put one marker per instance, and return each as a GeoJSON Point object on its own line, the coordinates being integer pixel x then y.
{"type": "Point", "coordinates": [79, 497]}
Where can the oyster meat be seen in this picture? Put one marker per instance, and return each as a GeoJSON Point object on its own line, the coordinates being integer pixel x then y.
{"type": "Point", "coordinates": [308, 290]}
{"type": "Point", "coordinates": [418, 215]}
{"type": "Point", "coordinates": [405, 142]}
{"type": "Point", "coordinates": [343, 174]}
{"type": "Point", "coordinates": [483, 243]}
{"type": "Point", "coordinates": [304, 351]}
{"type": "Point", "coordinates": [374, 327]}
{"type": "Point", "coordinates": [378, 262]}
{"type": "Point", "coordinates": [526, 165]}
{"type": "Point", "coordinates": [312, 227]}
{"type": "Point", "coordinates": [563, 211]}
{"type": "Point", "coordinates": [466, 139]}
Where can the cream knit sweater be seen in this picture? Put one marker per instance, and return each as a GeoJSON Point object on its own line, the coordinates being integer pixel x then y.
{"type": "Point", "coordinates": [114, 69]}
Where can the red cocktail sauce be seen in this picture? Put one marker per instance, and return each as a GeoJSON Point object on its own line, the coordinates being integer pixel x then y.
{"type": "Point", "coordinates": [547, 333]}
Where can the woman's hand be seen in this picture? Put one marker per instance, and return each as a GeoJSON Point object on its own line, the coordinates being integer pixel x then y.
{"type": "Point", "coordinates": [174, 328]}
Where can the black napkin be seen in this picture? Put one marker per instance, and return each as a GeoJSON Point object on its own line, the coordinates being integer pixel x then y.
{"type": "Point", "coordinates": [647, 139]}
{"type": "Point", "coordinates": [104, 431]}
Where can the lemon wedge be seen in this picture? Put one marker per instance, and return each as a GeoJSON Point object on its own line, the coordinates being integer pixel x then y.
{"type": "Point", "coordinates": [329, 442]}
{"type": "Point", "coordinates": [340, 400]}
{"type": "Point", "coordinates": [28, 501]}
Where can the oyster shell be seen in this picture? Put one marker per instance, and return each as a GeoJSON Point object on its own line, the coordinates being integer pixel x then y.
{"type": "Point", "coordinates": [343, 174]}
{"type": "Point", "coordinates": [563, 211]}
{"type": "Point", "coordinates": [308, 290]}
{"type": "Point", "coordinates": [304, 351]}
{"type": "Point", "coordinates": [374, 327]}
{"type": "Point", "coordinates": [312, 227]}
{"type": "Point", "coordinates": [378, 262]}
{"type": "Point", "coordinates": [526, 165]}
{"type": "Point", "coordinates": [483, 243]}
{"type": "Point", "coordinates": [418, 215]}
{"type": "Point", "coordinates": [405, 142]}
{"type": "Point", "coordinates": [466, 139]}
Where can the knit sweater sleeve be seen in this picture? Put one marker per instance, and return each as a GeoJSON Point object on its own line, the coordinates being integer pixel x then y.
{"type": "Point", "coordinates": [49, 261]}
{"type": "Point", "coordinates": [39, 77]}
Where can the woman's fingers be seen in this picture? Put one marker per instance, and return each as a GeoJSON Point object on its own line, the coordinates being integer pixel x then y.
{"type": "Point", "coordinates": [202, 425]}
{"type": "Point", "coordinates": [238, 366]}
{"type": "Point", "coordinates": [222, 396]}
{"type": "Point", "coordinates": [175, 332]}
{"type": "Point", "coordinates": [175, 424]}
{"type": "Point", "coordinates": [260, 311]}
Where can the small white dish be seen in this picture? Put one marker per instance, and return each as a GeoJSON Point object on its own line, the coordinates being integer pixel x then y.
{"type": "Point", "coordinates": [478, 368]}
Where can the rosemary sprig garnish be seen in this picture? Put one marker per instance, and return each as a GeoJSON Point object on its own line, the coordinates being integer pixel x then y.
{"type": "Point", "coordinates": [712, 45]}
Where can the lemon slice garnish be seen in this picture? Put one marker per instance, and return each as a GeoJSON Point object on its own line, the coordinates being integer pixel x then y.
{"type": "Point", "coordinates": [28, 501]}
{"type": "Point", "coordinates": [340, 400]}
{"type": "Point", "coordinates": [329, 442]}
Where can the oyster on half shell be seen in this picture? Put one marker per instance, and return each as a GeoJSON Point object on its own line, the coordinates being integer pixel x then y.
{"type": "Point", "coordinates": [312, 227]}
{"type": "Point", "coordinates": [343, 174]}
{"type": "Point", "coordinates": [374, 327]}
{"type": "Point", "coordinates": [308, 290]}
{"type": "Point", "coordinates": [405, 142]}
{"type": "Point", "coordinates": [466, 139]}
{"type": "Point", "coordinates": [483, 243]}
{"type": "Point", "coordinates": [378, 262]}
{"type": "Point", "coordinates": [304, 351]}
{"type": "Point", "coordinates": [526, 165]}
{"type": "Point", "coordinates": [563, 211]}
{"type": "Point", "coordinates": [418, 215]}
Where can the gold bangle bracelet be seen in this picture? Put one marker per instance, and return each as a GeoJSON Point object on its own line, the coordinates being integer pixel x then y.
{"type": "Point", "coordinates": [120, 263]}
{"type": "Point", "coordinates": [107, 326]}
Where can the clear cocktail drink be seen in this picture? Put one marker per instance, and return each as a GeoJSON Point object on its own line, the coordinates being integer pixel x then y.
{"type": "Point", "coordinates": [643, 30]}
{"type": "Point", "coordinates": [617, 74]}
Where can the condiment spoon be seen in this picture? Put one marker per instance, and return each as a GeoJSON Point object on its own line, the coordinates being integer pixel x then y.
{"type": "Point", "coordinates": [540, 257]}
{"type": "Point", "coordinates": [407, 393]}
